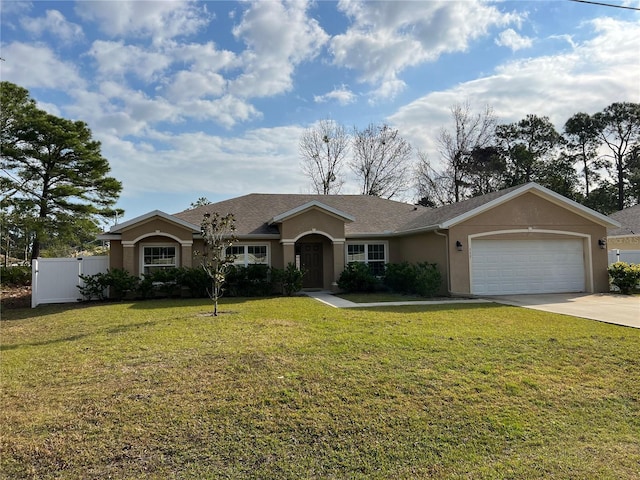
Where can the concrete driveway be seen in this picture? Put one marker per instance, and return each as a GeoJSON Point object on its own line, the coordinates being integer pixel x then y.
{"type": "Point", "coordinates": [618, 309]}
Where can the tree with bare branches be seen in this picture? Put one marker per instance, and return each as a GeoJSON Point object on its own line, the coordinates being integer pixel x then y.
{"type": "Point", "coordinates": [323, 149]}
{"type": "Point", "coordinates": [470, 133]}
{"type": "Point", "coordinates": [381, 160]}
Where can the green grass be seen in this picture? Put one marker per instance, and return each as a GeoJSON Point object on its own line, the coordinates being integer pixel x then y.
{"type": "Point", "coordinates": [289, 388]}
{"type": "Point", "coordinates": [380, 297]}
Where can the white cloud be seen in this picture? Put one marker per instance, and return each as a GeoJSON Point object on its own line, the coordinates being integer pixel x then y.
{"type": "Point", "coordinates": [593, 75]}
{"type": "Point", "coordinates": [116, 58]}
{"type": "Point", "coordinates": [279, 36]}
{"type": "Point", "coordinates": [36, 65]}
{"type": "Point", "coordinates": [55, 23]}
{"type": "Point", "coordinates": [160, 20]}
{"type": "Point", "coordinates": [342, 95]}
{"type": "Point", "coordinates": [258, 161]}
{"type": "Point", "coordinates": [511, 39]}
{"type": "Point", "coordinates": [387, 37]}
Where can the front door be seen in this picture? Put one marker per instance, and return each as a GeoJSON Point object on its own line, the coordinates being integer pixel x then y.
{"type": "Point", "coordinates": [311, 263]}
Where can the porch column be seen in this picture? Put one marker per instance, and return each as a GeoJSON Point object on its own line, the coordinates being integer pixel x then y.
{"type": "Point", "coordinates": [338, 263]}
{"type": "Point", "coordinates": [128, 258]}
{"type": "Point", "coordinates": [288, 253]}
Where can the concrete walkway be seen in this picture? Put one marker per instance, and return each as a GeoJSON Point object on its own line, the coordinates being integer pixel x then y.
{"type": "Point", "coordinates": [618, 309]}
{"type": "Point", "coordinates": [333, 301]}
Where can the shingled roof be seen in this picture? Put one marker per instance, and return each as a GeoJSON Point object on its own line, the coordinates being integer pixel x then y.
{"type": "Point", "coordinates": [629, 219]}
{"type": "Point", "coordinates": [253, 212]}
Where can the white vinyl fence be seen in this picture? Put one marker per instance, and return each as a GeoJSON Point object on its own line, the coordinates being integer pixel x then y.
{"type": "Point", "coordinates": [56, 280]}
{"type": "Point", "coordinates": [627, 256]}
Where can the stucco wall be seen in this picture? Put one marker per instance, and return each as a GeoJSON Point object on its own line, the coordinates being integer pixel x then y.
{"type": "Point", "coordinates": [425, 247]}
{"type": "Point", "coordinates": [539, 218]}
{"type": "Point", "coordinates": [312, 221]}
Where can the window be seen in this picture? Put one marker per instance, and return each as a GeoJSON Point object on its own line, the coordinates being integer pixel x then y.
{"type": "Point", "coordinates": [373, 254]}
{"type": "Point", "coordinates": [157, 257]}
{"type": "Point", "coordinates": [249, 254]}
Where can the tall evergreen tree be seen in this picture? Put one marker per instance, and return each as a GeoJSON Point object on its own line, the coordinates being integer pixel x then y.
{"type": "Point", "coordinates": [52, 166]}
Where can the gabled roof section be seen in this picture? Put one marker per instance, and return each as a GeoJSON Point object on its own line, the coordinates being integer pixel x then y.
{"type": "Point", "coordinates": [119, 228]}
{"type": "Point", "coordinates": [451, 215]}
{"type": "Point", "coordinates": [314, 204]}
{"type": "Point", "coordinates": [629, 220]}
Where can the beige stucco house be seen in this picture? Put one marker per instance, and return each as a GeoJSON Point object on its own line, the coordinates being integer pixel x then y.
{"type": "Point", "coordinates": [525, 239]}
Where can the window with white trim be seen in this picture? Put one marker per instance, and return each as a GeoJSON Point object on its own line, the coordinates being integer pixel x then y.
{"type": "Point", "coordinates": [249, 254]}
{"type": "Point", "coordinates": [157, 257]}
{"type": "Point", "coordinates": [373, 254]}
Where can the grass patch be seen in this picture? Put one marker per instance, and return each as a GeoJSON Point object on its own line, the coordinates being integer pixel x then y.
{"type": "Point", "coordinates": [289, 388]}
{"type": "Point", "coordinates": [380, 297]}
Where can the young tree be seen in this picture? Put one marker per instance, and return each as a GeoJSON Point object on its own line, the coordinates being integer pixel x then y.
{"type": "Point", "coordinates": [54, 166]}
{"type": "Point", "coordinates": [218, 234]}
{"type": "Point", "coordinates": [619, 130]}
{"type": "Point", "coordinates": [470, 132]}
{"type": "Point", "coordinates": [381, 160]}
{"type": "Point", "coordinates": [323, 149]}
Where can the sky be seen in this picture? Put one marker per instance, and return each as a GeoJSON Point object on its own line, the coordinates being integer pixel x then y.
{"type": "Point", "coordinates": [209, 99]}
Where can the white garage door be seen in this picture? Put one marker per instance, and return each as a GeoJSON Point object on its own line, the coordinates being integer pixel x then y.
{"type": "Point", "coordinates": [502, 267]}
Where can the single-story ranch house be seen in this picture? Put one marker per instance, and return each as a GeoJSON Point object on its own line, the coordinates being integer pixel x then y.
{"type": "Point", "coordinates": [525, 239]}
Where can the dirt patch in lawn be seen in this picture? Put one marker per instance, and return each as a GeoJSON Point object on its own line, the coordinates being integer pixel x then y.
{"type": "Point", "coordinates": [15, 297]}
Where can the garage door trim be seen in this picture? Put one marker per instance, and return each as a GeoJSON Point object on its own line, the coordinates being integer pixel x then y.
{"type": "Point", "coordinates": [588, 264]}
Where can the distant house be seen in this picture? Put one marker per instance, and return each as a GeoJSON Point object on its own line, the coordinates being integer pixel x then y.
{"type": "Point", "coordinates": [525, 239]}
{"type": "Point", "coordinates": [623, 241]}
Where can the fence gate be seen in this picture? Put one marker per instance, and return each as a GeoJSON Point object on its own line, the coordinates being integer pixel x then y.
{"type": "Point", "coordinates": [56, 280]}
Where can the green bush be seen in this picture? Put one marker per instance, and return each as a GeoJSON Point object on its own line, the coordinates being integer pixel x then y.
{"type": "Point", "coordinates": [195, 279]}
{"type": "Point", "coordinates": [119, 281]}
{"type": "Point", "coordinates": [399, 277]}
{"type": "Point", "coordinates": [625, 276]}
{"type": "Point", "coordinates": [422, 279]}
{"type": "Point", "coordinates": [357, 277]}
{"type": "Point", "coordinates": [290, 279]}
{"type": "Point", "coordinates": [428, 279]}
{"type": "Point", "coordinates": [254, 280]}
{"type": "Point", "coordinates": [16, 276]}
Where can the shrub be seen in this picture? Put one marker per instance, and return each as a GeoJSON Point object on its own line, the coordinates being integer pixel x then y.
{"type": "Point", "coordinates": [16, 276]}
{"type": "Point", "coordinates": [625, 276]}
{"type": "Point", "coordinates": [290, 278]}
{"type": "Point", "coordinates": [399, 277]}
{"type": "Point", "coordinates": [254, 280]}
{"type": "Point", "coordinates": [428, 279]}
{"type": "Point", "coordinates": [422, 279]}
{"type": "Point", "coordinates": [94, 286]}
{"type": "Point", "coordinates": [357, 277]}
{"type": "Point", "coordinates": [195, 279]}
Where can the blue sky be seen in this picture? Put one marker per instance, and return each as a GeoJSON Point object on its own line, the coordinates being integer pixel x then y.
{"type": "Point", "coordinates": [209, 99]}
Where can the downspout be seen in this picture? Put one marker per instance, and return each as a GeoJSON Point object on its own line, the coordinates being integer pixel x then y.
{"type": "Point", "coordinates": [448, 270]}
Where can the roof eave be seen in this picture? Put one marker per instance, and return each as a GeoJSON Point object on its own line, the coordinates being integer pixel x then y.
{"type": "Point", "coordinates": [543, 192]}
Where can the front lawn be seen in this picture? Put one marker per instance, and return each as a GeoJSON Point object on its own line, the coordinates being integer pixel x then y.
{"type": "Point", "coordinates": [290, 388]}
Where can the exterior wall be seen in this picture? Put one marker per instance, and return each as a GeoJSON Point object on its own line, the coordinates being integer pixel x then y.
{"type": "Point", "coordinates": [424, 247]}
{"type": "Point", "coordinates": [115, 254]}
{"type": "Point", "coordinates": [628, 242]}
{"type": "Point", "coordinates": [125, 253]}
{"type": "Point", "coordinates": [312, 221]}
{"type": "Point", "coordinates": [538, 219]}
{"type": "Point", "coordinates": [316, 226]}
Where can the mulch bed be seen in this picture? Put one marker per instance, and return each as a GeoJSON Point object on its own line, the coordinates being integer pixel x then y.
{"type": "Point", "coordinates": [15, 297]}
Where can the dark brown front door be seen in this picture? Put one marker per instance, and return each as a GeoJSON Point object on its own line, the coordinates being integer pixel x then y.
{"type": "Point", "coordinates": [311, 263]}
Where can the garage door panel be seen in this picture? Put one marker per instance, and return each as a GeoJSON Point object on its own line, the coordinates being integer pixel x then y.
{"type": "Point", "coordinates": [500, 267]}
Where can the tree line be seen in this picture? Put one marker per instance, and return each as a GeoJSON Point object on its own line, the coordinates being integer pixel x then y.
{"type": "Point", "coordinates": [595, 160]}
